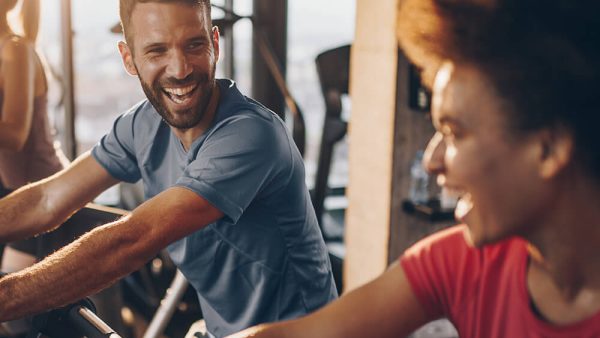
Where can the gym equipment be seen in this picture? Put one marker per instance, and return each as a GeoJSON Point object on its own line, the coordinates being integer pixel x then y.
{"type": "Point", "coordinates": [74, 321]}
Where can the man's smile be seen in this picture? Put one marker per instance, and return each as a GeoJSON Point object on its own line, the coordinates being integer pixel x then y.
{"type": "Point", "coordinates": [180, 95]}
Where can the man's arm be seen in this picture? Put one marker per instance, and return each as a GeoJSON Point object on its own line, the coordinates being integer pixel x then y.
{"type": "Point", "coordinates": [386, 307]}
{"type": "Point", "coordinates": [105, 254]}
{"type": "Point", "coordinates": [44, 205]}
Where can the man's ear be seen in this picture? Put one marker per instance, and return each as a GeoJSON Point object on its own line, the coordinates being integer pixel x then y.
{"type": "Point", "coordinates": [557, 151]}
{"type": "Point", "coordinates": [215, 38]}
{"type": "Point", "coordinates": [127, 57]}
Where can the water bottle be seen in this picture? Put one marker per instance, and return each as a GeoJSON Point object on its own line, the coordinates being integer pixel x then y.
{"type": "Point", "coordinates": [419, 181]}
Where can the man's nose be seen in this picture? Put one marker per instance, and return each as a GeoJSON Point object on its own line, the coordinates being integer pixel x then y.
{"type": "Point", "coordinates": [433, 159]}
{"type": "Point", "coordinates": [178, 65]}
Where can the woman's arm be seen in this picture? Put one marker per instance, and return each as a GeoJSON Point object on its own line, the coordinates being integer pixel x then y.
{"type": "Point", "coordinates": [30, 19]}
{"type": "Point", "coordinates": [18, 74]}
{"type": "Point", "coordinates": [386, 307]}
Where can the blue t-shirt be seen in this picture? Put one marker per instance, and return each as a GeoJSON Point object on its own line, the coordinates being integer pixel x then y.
{"type": "Point", "coordinates": [265, 260]}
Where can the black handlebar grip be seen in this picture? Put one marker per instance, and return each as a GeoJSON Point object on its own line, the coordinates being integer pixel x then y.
{"type": "Point", "coordinates": [86, 322]}
{"type": "Point", "coordinates": [73, 321]}
{"type": "Point", "coordinates": [54, 323]}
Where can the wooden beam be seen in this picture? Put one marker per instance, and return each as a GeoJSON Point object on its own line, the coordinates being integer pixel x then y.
{"type": "Point", "coordinates": [70, 139]}
{"type": "Point", "coordinates": [371, 138]}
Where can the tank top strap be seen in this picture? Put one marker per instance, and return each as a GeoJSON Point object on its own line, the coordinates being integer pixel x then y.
{"type": "Point", "coordinates": [6, 38]}
{"type": "Point", "coordinates": [3, 42]}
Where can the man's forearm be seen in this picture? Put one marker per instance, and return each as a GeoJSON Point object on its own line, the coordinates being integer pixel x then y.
{"type": "Point", "coordinates": [84, 267]}
{"type": "Point", "coordinates": [24, 213]}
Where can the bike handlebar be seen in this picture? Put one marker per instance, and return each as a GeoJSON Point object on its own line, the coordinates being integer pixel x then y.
{"type": "Point", "coordinates": [76, 320]}
{"type": "Point", "coordinates": [90, 325]}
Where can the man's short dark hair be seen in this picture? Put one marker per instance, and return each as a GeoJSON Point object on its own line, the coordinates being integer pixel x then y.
{"type": "Point", "coordinates": [126, 8]}
{"type": "Point", "coordinates": [543, 57]}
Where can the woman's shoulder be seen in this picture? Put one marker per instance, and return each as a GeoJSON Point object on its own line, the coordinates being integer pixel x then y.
{"type": "Point", "coordinates": [15, 45]}
{"type": "Point", "coordinates": [456, 241]}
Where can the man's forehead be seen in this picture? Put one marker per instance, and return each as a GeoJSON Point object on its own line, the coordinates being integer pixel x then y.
{"type": "Point", "coordinates": [159, 18]}
{"type": "Point", "coordinates": [159, 12]}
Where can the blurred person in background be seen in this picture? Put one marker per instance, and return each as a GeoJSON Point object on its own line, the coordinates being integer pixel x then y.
{"type": "Point", "coordinates": [27, 149]}
{"type": "Point", "coordinates": [516, 106]}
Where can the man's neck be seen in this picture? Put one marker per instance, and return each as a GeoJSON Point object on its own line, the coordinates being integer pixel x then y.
{"type": "Point", "coordinates": [188, 136]}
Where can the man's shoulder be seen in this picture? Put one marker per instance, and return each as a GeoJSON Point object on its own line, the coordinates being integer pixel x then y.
{"type": "Point", "coordinates": [138, 125]}
{"type": "Point", "coordinates": [141, 108]}
{"type": "Point", "coordinates": [234, 104]}
{"type": "Point", "coordinates": [140, 114]}
{"type": "Point", "coordinates": [250, 121]}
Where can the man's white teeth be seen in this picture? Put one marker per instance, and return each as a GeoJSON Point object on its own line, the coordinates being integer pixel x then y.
{"type": "Point", "coordinates": [180, 91]}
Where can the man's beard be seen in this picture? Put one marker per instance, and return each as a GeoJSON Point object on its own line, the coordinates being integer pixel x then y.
{"type": "Point", "coordinates": [186, 118]}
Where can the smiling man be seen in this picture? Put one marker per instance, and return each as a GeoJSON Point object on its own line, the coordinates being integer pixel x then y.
{"type": "Point", "coordinates": [224, 184]}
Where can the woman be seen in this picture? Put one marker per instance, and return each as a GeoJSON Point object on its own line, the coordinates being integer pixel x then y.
{"type": "Point", "coordinates": [27, 153]}
{"type": "Point", "coordinates": [516, 108]}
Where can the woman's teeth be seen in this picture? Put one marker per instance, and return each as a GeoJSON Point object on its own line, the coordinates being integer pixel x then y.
{"type": "Point", "coordinates": [453, 192]}
{"type": "Point", "coordinates": [464, 205]}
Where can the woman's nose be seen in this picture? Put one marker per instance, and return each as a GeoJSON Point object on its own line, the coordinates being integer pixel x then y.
{"type": "Point", "coordinates": [433, 159]}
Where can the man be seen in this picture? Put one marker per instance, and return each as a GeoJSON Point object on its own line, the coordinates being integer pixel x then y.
{"type": "Point", "coordinates": [223, 180]}
{"type": "Point", "coordinates": [515, 105]}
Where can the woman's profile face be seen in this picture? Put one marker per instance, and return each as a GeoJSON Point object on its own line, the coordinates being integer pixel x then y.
{"type": "Point", "coordinates": [475, 154]}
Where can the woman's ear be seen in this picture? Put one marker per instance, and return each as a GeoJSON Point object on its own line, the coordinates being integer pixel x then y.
{"type": "Point", "coordinates": [557, 151]}
{"type": "Point", "coordinates": [127, 57]}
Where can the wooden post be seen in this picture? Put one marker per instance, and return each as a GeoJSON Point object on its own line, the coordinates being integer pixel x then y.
{"type": "Point", "coordinates": [371, 138]}
{"type": "Point", "coordinates": [70, 139]}
{"type": "Point", "coordinates": [385, 131]}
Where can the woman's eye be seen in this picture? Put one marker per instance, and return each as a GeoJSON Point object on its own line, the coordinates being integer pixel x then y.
{"type": "Point", "coordinates": [447, 131]}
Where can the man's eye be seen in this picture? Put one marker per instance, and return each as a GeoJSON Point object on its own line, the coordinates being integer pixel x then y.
{"type": "Point", "coordinates": [156, 51]}
{"type": "Point", "coordinates": [195, 45]}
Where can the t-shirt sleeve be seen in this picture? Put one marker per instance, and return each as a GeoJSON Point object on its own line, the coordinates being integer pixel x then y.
{"type": "Point", "coordinates": [236, 162]}
{"type": "Point", "coordinates": [116, 152]}
{"type": "Point", "coordinates": [440, 270]}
